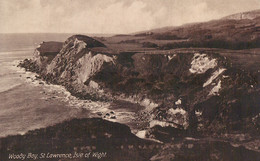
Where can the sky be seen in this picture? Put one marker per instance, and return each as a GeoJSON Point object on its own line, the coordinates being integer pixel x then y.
{"type": "Point", "coordinates": [111, 16]}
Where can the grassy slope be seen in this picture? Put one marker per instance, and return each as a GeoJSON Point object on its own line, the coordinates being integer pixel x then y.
{"type": "Point", "coordinates": [225, 33]}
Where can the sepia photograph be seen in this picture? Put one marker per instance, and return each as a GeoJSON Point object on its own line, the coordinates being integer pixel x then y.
{"type": "Point", "coordinates": [129, 80]}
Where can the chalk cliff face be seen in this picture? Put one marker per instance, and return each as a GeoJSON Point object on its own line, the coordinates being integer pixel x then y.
{"type": "Point", "coordinates": [198, 90]}
{"type": "Point", "coordinates": [76, 61]}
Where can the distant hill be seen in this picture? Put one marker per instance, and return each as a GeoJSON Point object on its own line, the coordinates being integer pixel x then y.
{"type": "Point", "coordinates": [244, 15]}
{"type": "Point", "coordinates": [238, 31]}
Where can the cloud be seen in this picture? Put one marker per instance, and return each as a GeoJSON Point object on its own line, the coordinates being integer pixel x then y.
{"type": "Point", "coordinates": [111, 16]}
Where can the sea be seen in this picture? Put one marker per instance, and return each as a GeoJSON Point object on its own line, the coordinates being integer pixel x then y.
{"type": "Point", "coordinates": [28, 103]}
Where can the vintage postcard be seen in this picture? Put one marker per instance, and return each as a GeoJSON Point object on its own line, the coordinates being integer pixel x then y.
{"type": "Point", "coordinates": [130, 80]}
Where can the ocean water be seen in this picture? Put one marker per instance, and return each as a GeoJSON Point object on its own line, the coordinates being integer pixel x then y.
{"type": "Point", "coordinates": [27, 103]}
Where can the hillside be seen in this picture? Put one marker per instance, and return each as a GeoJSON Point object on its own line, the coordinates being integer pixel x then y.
{"type": "Point", "coordinates": [227, 33]}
